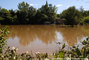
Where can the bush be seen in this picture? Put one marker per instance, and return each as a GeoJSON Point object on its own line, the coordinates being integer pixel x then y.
{"type": "Point", "coordinates": [85, 20]}
{"type": "Point", "coordinates": [3, 34]}
{"type": "Point", "coordinates": [71, 15]}
{"type": "Point", "coordinates": [74, 51]}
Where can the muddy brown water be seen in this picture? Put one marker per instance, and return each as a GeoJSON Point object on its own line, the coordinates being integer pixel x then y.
{"type": "Point", "coordinates": [44, 38]}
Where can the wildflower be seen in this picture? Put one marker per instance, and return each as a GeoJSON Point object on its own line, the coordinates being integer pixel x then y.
{"type": "Point", "coordinates": [13, 48]}
{"type": "Point", "coordinates": [16, 48]}
{"type": "Point", "coordinates": [26, 52]}
{"type": "Point", "coordinates": [86, 59]}
{"type": "Point", "coordinates": [2, 56]}
{"type": "Point", "coordinates": [20, 59]}
{"type": "Point", "coordinates": [37, 52]}
{"type": "Point", "coordinates": [14, 57]}
{"type": "Point", "coordinates": [54, 53]}
{"type": "Point", "coordinates": [8, 31]}
{"type": "Point", "coordinates": [67, 58]}
{"type": "Point", "coordinates": [46, 59]}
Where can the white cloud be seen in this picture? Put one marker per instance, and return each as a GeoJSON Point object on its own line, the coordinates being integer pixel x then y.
{"type": "Point", "coordinates": [86, 9]}
{"type": "Point", "coordinates": [58, 5]}
{"type": "Point", "coordinates": [31, 4]}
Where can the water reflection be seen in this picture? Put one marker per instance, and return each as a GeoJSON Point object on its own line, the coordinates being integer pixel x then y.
{"type": "Point", "coordinates": [28, 34]}
{"type": "Point", "coordinates": [43, 37]}
{"type": "Point", "coordinates": [72, 34]}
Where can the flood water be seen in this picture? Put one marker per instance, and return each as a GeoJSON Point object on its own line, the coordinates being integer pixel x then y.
{"type": "Point", "coordinates": [44, 38]}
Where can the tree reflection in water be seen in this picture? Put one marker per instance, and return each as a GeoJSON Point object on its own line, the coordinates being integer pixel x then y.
{"type": "Point", "coordinates": [46, 34]}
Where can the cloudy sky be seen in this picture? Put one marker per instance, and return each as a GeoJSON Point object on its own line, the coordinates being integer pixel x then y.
{"type": "Point", "coordinates": [60, 4]}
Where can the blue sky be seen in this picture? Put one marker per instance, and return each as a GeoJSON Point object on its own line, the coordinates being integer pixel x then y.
{"type": "Point", "coordinates": [61, 4]}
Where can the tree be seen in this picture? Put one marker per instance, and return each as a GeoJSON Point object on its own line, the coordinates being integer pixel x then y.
{"type": "Point", "coordinates": [31, 15]}
{"type": "Point", "coordinates": [47, 13]}
{"type": "Point", "coordinates": [22, 17]}
{"type": "Point", "coordinates": [72, 16]}
{"type": "Point", "coordinates": [14, 17]}
{"type": "Point", "coordinates": [28, 15]}
{"type": "Point", "coordinates": [22, 13]}
{"type": "Point", "coordinates": [5, 16]}
{"type": "Point", "coordinates": [85, 20]}
{"type": "Point", "coordinates": [0, 8]}
{"type": "Point", "coordinates": [86, 13]}
{"type": "Point", "coordinates": [81, 9]}
{"type": "Point", "coordinates": [23, 6]}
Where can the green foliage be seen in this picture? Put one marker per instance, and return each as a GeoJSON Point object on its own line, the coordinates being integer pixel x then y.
{"type": "Point", "coordinates": [22, 13]}
{"type": "Point", "coordinates": [1, 18]}
{"type": "Point", "coordinates": [5, 11]}
{"type": "Point", "coordinates": [47, 14]}
{"type": "Point", "coordinates": [31, 14]}
{"type": "Point", "coordinates": [78, 52]}
{"type": "Point", "coordinates": [23, 6]}
{"type": "Point", "coordinates": [3, 34]}
{"type": "Point", "coordinates": [74, 51]}
{"type": "Point", "coordinates": [63, 46]}
{"type": "Point", "coordinates": [22, 17]}
{"type": "Point", "coordinates": [72, 16]}
{"type": "Point", "coordinates": [85, 20]}
{"type": "Point", "coordinates": [0, 7]}
{"type": "Point", "coordinates": [10, 54]}
{"type": "Point", "coordinates": [7, 17]}
{"type": "Point", "coordinates": [84, 52]}
{"type": "Point", "coordinates": [84, 42]}
{"type": "Point", "coordinates": [86, 13]}
{"type": "Point", "coordinates": [61, 54]}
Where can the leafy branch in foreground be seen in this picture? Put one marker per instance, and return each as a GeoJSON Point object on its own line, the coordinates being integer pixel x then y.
{"type": "Point", "coordinates": [3, 33]}
{"type": "Point", "coordinates": [74, 51]}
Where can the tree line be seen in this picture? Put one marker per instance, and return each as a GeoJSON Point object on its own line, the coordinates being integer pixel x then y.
{"type": "Point", "coordinates": [47, 14]}
{"type": "Point", "coordinates": [73, 16]}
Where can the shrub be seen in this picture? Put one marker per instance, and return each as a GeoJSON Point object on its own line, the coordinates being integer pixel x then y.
{"type": "Point", "coordinates": [3, 34]}
{"type": "Point", "coordinates": [85, 20]}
